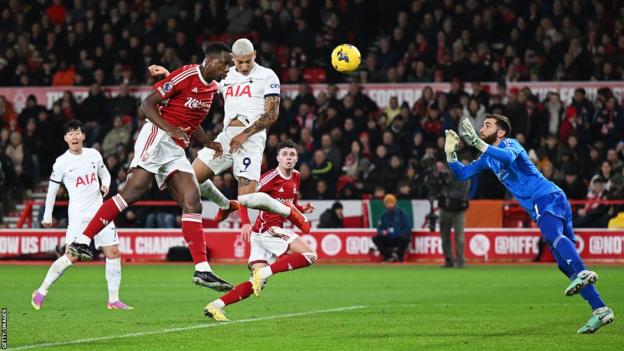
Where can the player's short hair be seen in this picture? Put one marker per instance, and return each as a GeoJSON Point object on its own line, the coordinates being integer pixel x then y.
{"type": "Point", "coordinates": [72, 125]}
{"type": "Point", "coordinates": [502, 122]}
{"type": "Point", "coordinates": [242, 47]}
{"type": "Point", "coordinates": [217, 48]}
{"type": "Point", "coordinates": [287, 144]}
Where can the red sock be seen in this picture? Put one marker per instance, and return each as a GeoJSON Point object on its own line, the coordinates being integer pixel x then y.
{"type": "Point", "coordinates": [194, 235]}
{"type": "Point", "coordinates": [105, 214]}
{"type": "Point", "coordinates": [239, 293]}
{"type": "Point", "coordinates": [289, 263]}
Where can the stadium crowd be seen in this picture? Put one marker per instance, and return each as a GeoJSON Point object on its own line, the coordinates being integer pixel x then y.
{"type": "Point", "coordinates": [350, 147]}
{"type": "Point", "coordinates": [109, 42]}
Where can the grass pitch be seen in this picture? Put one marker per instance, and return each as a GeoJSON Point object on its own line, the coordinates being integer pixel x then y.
{"type": "Point", "coordinates": [326, 307]}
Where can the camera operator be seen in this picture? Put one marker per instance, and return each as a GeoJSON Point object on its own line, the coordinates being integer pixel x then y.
{"type": "Point", "coordinates": [453, 202]}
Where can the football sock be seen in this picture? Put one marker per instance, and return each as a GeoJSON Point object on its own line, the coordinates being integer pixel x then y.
{"type": "Point", "coordinates": [567, 257]}
{"type": "Point", "coordinates": [194, 235]}
{"type": "Point", "coordinates": [56, 271]}
{"type": "Point", "coordinates": [210, 191]}
{"type": "Point", "coordinates": [265, 202]}
{"type": "Point", "coordinates": [113, 278]}
{"type": "Point", "coordinates": [285, 263]}
{"type": "Point", "coordinates": [239, 293]}
{"type": "Point", "coordinates": [104, 215]}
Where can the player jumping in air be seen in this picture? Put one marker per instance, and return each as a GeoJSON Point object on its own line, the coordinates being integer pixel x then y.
{"type": "Point", "coordinates": [542, 199]}
{"type": "Point", "coordinates": [252, 98]}
{"type": "Point", "coordinates": [174, 110]}
{"type": "Point", "coordinates": [79, 169]}
{"type": "Point", "coordinates": [273, 249]}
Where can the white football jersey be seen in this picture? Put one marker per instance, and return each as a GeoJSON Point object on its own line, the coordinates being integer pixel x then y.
{"type": "Point", "coordinates": [244, 95]}
{"type": "Point", "coordinates": [79, 174]}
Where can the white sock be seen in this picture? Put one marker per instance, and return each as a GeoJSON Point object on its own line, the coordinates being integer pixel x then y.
{"type": "Point", "coordinates": [218, 303]}
{"type": "Point", "coordinates": [262, 201]}
{"type": "Point", "coordinates": [265, 272]}
{"type": "Point", "coordinates": [113, 277]}
{"type": "Point", "coordinates": [56, 271]}
{"type": "Point", "coordinates": [83, 239]}
{"type": "Point", "coordinates": [209, 190]}
{"type": "Point", "coordinates": [600, 310]}
{"type": "Point", "coordinates": [203, 267]}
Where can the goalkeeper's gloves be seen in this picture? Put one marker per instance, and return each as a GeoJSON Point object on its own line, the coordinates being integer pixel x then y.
{"type": "Point", "coordinates": [451, 145]}
{"type": "Point", "coordinates": [471, 137]}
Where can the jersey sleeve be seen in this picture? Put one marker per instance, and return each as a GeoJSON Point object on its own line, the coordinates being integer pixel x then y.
{"type": "Point", "coordinates": [506, 153]}
{"type": "Point", "coordinates": [171, 84]}
{"type": "Point", "coordinates": [272, 85]}
{"type": "Point", "coordinates": [105, 177]}
{"type": "Point", "coordinates": [58, 172]}
{"type": "Point", "coordinates": [462, 172]}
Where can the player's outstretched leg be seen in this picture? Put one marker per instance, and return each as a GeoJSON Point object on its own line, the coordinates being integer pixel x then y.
{"type": "Point", "coordinates": [299, 255]}
{"type": "Point", "coordinates": [137, 184]}
{"type": "Point", "coordinates": [572, 266]}
{"type": "Point", "coordinates": [215, 309]}
{"type": "Point", "coordinates": [263, 201]}
{"type": "Point", "coordinates": [185, 191]}
{"type": "Point", "coordinates": [56, 271]}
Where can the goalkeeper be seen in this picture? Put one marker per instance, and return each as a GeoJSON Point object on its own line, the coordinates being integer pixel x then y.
{"type": "Point", "coordinates": [542, 199]}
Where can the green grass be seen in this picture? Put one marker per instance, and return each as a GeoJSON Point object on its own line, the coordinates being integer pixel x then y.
{"type": "Point", "coordinates": [393, 308]}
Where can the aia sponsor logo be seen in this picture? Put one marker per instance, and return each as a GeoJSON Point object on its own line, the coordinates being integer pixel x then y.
{"type": "Point", "coordinates": [86, 180]}
{"type": "Point", "coordinates": [239, 90]}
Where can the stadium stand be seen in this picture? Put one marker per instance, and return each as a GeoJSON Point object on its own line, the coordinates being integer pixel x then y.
{"type": "Point", "coordinates": [353, 147]}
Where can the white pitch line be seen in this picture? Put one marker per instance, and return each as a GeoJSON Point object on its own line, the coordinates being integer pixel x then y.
{"type": "Point", "coordinates": [191, 327]}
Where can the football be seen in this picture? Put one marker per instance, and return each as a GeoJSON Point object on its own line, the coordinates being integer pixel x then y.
{"type": "Point", "coordinates": [345, 58]}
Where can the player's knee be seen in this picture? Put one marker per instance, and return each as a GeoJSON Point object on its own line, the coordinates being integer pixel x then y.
{"type": "Point", "coordinates": [191, 203]}
{"type": "Point", "coordinates": [310, 257]}
{"type": "Point", "coordinates": [112, 252]}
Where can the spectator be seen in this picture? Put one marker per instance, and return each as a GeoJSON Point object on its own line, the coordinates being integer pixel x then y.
{"type": "Point", "coordinates": [239, 18]}
{"type": "Point", "coordinates": [332, 217]}
{"type": "Point", "coordinates": [453, 203]}
{"type": "Point", "coordinates": [393, 231]}
{"type": "Point", "coordinates": [591, 214]}
{"type": "Point", "coordinates": [119, 134]}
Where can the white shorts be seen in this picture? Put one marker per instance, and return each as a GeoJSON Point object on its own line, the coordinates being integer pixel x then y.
{"type": "Point", "coordinates": [266, 248]}
{"type": "Point", "coordinates": [157, 153]}
{"type": "Point", "coordinates": [107, 237]}
{"type": "Point", "coordinates": [246, 161]}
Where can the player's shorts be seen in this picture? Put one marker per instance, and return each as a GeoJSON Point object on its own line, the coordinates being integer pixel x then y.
{"type": "Point", "coordinates": [246, 161]}
{"type": "Point", "coordinates": [556, 204]}
{"type": "Point", "coordinates": [107, 237]}
{"type": "Point", "coordinates": [267, 247]}
{"type": "Point", "coordinates": [157, 153]}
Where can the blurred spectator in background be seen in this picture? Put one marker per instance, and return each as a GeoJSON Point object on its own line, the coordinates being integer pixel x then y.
{"type": "Point", "coordinates": [394, 231]}
{"type": "Point", "coordinates": [332, 217]}
{"type": "Point", "coordinates": [453, 203]}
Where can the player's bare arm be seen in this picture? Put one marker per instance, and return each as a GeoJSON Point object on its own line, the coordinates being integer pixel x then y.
{"type": "Point", "coordinates": [148, 106]}
{"type": "Point", "coordinates": [271, 111]}
{"type": "Point", "coordinates": [203, 138]}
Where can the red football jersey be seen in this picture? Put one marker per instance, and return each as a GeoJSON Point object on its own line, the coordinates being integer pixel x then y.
{"type": "Point", "coordinates": [280, 188]}
{"type": "Point", "coordinates": [187, 98]}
